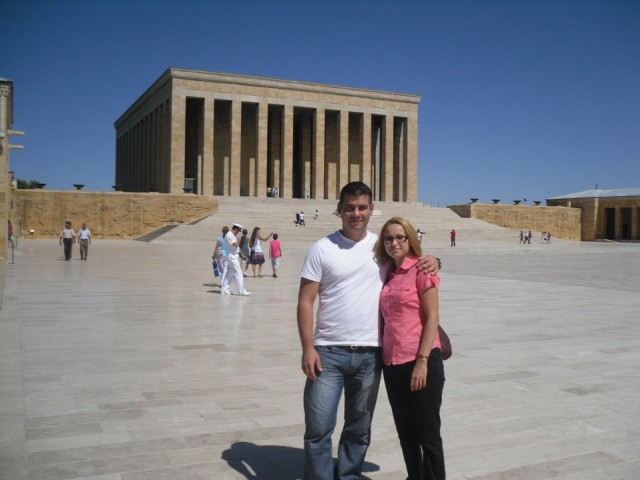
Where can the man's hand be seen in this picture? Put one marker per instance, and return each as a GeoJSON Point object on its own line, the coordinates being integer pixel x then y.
{"type": "Point", "coordinates": [311, 365]}
{"type": "Point", "coordinates": [429, 263]}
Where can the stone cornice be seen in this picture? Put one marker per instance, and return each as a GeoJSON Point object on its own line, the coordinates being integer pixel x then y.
{"type": "Point", "coordinates": [248, 80]}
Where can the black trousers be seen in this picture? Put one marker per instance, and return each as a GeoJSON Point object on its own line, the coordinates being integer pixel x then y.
{"type": "Point", "coordinates": [68, 243]}
{"type": "Point", "coordinates": [417, 417]}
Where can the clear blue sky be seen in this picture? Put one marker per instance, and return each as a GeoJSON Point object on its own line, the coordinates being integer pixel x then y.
{"type": "Point", "coordinates": [520, 99]}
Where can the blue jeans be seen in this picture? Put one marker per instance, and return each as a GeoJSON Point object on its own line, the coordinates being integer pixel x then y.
{"type": "Point", "coordinates": [357, 372]}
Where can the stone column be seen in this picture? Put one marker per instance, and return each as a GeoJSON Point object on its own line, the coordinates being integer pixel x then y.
{"type": "Point", "coordinates": [207, 148]}
{"type": "Point", "coordinates": [178, 118]}
{"type": "Point", "coordinates": [411, 188]}
{"type": "Point", "coordinates": [318, 157]}
{"type": "Point", "coordinates": [287, 161]}
{"type": "Point", "coordinates": [263, 121]}
{"type": "Point", "coordinates": [236, 141]}
{"type": "Point", "coordinates": [635, 223]}
{"type": "Point", "coordinates": [6, 120]}
{"type": "Point", "coordinates": [387, 160]}
{"type": "Point", "coordinates": [400, 136]}
{"type": "Point", "coordinates": [366, 149]}
{"type": "Point", "coordinates": [344, 148]}
{"type": "Point", "coordinates": [618, 231]}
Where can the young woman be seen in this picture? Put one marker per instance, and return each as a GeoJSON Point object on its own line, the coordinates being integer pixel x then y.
{"type": "Point", "coordinates": [257, 254]}
{"type": "Point", "coordinates": [412, 364]}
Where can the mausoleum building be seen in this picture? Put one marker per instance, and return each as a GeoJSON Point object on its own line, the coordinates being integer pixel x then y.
{"type": "Point", "coordinates": [221, 134]}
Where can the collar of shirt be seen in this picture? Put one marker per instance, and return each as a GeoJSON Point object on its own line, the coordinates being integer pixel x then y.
{"type": "Point", "coordinates": [408, 263]}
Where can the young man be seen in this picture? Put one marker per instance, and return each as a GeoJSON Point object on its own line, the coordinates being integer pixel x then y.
{"type": "Point", "coordinates": [233, 263]}
{"type": "Point", "coordinates": [344, 350]}
{"type": "Point", "coordinates": [84, 239]}
{"type": "Point", "coordinates": [68, 237]}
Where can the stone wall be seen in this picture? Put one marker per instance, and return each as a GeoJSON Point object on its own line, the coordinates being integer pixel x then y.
{"type": "Point", "coordinates": [562, 222]}
{"type": "Point", "coordinates": [108, 214]}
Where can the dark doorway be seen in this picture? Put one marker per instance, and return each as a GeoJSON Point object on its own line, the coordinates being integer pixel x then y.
{"type": "Point", "coordinates": [303, 143]}
{"type": "Point", "coordinates": [193, 143]}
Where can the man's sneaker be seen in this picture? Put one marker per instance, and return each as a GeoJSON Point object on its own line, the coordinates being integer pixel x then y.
{"type": "Point", "coordinates": [225, 292]}
{"type": "Point", "coordinates": [275, 276]}
{"type": "Point", "coordinates": [245, 293]}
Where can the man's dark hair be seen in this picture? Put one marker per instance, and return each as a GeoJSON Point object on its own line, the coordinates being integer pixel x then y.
{"type": "Point", "coordinates": [356, 189]}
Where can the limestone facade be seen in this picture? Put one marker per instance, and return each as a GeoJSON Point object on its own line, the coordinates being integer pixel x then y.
{"type": "Point", "coordinates": [561, 222]}
{"type": "Point", "coordinates": [235, 135]}
{"type": "Point", "coordinates": [42, 213]}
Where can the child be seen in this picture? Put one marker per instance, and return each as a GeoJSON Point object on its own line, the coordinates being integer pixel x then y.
{"type": "Point", "coordinates": [275, 252]}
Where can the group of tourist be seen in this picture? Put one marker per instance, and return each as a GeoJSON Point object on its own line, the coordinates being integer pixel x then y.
{"type": "Point", "coordinates": [377, 314]}
{"type": "Point", "coordinates": [68, 238]}
{"type": "Point", "coordinates": [525, 237]}
{"type": "Point", "coordinates": [299, 221]}
{"type": "Point", "coordinates": [272, 192]}
{"type": "Point", "coordinates": [234, 253]}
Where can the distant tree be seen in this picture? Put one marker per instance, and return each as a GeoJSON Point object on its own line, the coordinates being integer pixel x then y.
{"type": "Point", "coordinates": [25, 185]}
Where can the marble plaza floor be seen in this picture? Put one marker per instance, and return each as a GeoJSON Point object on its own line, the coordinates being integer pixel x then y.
{"type": "Point", "coordinates": [132, 366]}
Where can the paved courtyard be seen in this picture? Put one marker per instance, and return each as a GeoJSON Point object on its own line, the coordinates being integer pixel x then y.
{"type": "Point", "coordinates": [132, 366]}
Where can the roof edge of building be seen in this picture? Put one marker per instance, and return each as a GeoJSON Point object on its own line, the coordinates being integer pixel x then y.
{"type": "Point", "coordinates": [600, 193]}
{"type": "Point", "coordinates": [190, 74]}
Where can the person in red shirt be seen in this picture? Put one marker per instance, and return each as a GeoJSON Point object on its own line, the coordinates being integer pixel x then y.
{"type": "Point", "coordinates": [412, 362]}
{"type": "Point", "coordinates": [275, 252]}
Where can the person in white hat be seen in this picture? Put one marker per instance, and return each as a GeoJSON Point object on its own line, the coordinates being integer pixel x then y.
{"type": "Point", "coordinates": [233, 262]}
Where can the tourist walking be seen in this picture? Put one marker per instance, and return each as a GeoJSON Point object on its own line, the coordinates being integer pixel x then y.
{"type": "Point", "coordinates": [342, 352]}
{"type": "Point", "coordinates": [10, 233]}
{"type": "Point", "coordinates": [275, 253]}
{"type": "Point", "coordinates": [527, 237]}
{"type": "Point", "coordinates": [233, 263]}
{"type": "Point", "coordinates": [452, 235]}
{"type": "Point", "coordinates": [67, 238]}
{"type": "Point", "coordinates": [257, 254]}
{"type": "Point", "coordinates": [521, 236]}
{"type": "Point", "coordinates": [412, 364]}
{"type": "Point", "coordinates": [244, 248]}
{"type": "Point", "coordinates": [84, 239]}
{"type": "Point", "coordinates": [220, 253]}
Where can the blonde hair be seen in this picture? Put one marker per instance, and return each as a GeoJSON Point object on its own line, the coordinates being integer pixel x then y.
{"type": "Point", "coordinates": [412, 237]}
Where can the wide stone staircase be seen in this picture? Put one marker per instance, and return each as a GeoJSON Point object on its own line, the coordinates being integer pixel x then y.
{"type": "Point", "coordinates": [278, 215]}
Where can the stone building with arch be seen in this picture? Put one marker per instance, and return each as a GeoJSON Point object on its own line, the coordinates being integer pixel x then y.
{"type": "Point", "coordinates": [235, 135]}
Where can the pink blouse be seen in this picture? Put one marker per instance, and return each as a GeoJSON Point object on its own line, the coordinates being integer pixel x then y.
{"type": "Point", "coordinates": [403, 317]}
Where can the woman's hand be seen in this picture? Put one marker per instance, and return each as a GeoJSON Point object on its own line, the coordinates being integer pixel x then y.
{"type": "Point", "coordinates": [419, 375]}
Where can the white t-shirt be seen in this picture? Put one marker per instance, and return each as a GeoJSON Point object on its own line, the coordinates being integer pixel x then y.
{"type": "Point", "coordinates": [257, 246]}
{"type": "Point", "coordinates": [350, 284]}
{"type": "Point", "coordinates": [230, 238]}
